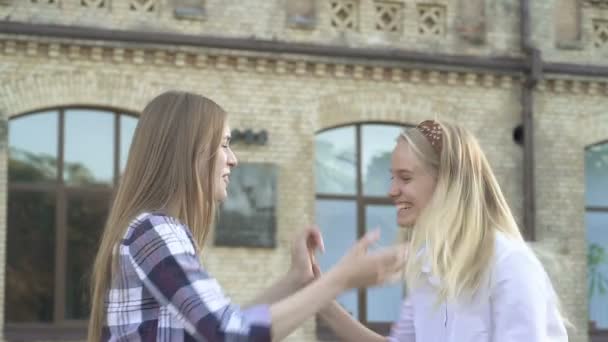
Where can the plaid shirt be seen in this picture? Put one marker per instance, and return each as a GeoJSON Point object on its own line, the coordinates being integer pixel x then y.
{"type": "Point", "coordinates": [162, 293]}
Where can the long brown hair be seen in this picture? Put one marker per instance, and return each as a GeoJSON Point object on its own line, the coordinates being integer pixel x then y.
{"type": "Point", "coordinates": [171, 168]}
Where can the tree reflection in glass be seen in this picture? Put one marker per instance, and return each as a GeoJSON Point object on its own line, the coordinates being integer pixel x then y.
{"type": "Point", "coordinates": [87, 214]}
{"type": "Point", "coordinates": [335, 161]}
{"type": "Point", "coordinates": [33, 148]}
{"type": "Point", "coordinates": [42, 205]}
{"type": "Point", "coordinates": [377, 143]}
{"type": "Point", "coordinates": [30, 257]}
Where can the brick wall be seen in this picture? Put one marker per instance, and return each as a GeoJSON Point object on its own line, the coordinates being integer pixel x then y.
{"type": "Point", "coordinates": [294, 96]}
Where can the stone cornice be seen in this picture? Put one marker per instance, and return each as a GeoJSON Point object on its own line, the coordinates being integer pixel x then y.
{"type": "Point", "coordinates": [243, 61]}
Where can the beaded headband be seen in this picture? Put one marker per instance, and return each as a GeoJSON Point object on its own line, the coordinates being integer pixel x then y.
{"type": "Point", "coordinates": [433, 132]}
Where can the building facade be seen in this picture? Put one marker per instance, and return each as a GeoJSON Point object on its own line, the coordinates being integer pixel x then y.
{"type": "Point", "coordinates": [330, 82]}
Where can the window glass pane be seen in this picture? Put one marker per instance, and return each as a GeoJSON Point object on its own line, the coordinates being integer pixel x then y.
{"type": "Point", "coordinates": [383, 302]}
{"type": "Point", "coordinates": [87, 213]}
{"type": "Point", "coordinates": [335, 161]}
{"type": "Point", "coordinates": [338, 223]}
{"type": "Point", "coordinates": [377, 143]}
{"type": "Point", "coordinates": [89, 147]}
{"type": "Point", "coordinates": [127, 128]}
{"type": "Point", "coordinates": [596, 175]}
{"type": "Point", "coordinates": [33, 147]}
{"type": "Point", "coordinates": [597, 242]}
{"type": "Point", "coordinates": [30, 257]}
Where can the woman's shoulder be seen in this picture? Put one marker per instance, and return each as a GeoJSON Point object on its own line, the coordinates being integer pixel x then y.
{"type": "Point", "coordinates": [506, 246]}
{"type": "Point", "coordinates": [513, 255]}
{"type": "Point", "coordinates": [154, 224]}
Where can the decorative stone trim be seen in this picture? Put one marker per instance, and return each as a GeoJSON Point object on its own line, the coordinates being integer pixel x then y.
{"type": "Point", "coordinates": [600, 33]}
{"type": "Point", "coordinates": [344, 14]}
{"type": "Point", "coordinates": [595, 3]}
{"type": "Point", "coordinates": [284, 65]}
{"type": "Point", "coordinates": [94, 3]}
{"type": "Point", "coordinates": [432, 20]}
{"type": "Point", "coordinates": [574, 86]}
{"type": "Point", "coordinates": [143, 6]}
{"type": "Point", "coordinates": [389, 16]}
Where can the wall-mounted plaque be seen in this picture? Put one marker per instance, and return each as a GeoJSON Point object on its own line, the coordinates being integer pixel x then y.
{"type": "Point", "coordinates": [247, 217]}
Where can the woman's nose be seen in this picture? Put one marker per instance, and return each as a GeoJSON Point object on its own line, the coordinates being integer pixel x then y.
{"type": "Point", "coordinates": [393, 191]}
{"type": "Point", "coordinates": [232, 160]}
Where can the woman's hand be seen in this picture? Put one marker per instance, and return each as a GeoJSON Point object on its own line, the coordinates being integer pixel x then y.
{"type": "Point", "coordinates": [359, 269]}
{"type": "Point", "coordinates": [304, 267]}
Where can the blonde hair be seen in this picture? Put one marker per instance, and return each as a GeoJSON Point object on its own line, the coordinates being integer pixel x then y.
{"type": "Point", "coordinates": [170, 169]}
{"type": "Point", "coordinates": [457, 228]}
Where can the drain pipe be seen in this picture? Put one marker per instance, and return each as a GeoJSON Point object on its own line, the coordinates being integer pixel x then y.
{"type": "Point", "coordinates": [533, 73]}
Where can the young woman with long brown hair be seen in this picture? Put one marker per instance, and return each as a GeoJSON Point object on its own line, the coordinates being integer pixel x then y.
{"type": "Point", "coordinates": [148, 283]}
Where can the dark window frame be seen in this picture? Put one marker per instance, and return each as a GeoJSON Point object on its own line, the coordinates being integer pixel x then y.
{"type": "Point", "coordinates": [323, 331]}
{"type": "Point", "coordinates": [60, 327]}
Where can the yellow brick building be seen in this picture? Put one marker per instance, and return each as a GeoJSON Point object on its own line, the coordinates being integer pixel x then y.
{"type": "Point", "coordinates": [330, 82]}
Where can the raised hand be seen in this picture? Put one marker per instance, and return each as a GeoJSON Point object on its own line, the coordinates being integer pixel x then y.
{"type": "Point", "coordinates": [304, 268]}
{"type": "Point", "coordinates": [359, 268]}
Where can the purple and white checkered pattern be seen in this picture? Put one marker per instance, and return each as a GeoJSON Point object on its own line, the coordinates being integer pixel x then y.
{"type": "Point", "coordinates": [162, 293]}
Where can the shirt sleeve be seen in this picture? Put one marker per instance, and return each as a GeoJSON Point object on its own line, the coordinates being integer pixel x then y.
{"type": "Point", "coordinates": [165, 260]}
{"type": "Point", "coordinates": [403, 330]}
{"type": "Point", "coordinates": [519, 299]}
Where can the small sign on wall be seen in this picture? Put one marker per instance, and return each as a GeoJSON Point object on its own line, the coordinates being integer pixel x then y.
{"type": "Point", "coordinates": [248, 216]}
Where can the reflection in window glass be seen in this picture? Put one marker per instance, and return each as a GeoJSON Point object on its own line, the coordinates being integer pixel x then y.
{"type": "Point", "coordinates": [377, 143]}
{"type": "Point", "coordinates": [30, 257]}
{"type": "Point", "coordinates": [35, 214]}
{"type": "Point", "coordinates": [383, 302]}
{"type": "Point", "coordinates": [89, 147]}
{"type": "Point", "coordinates": [597, 242]}
{"type": "Point", "coordinates": [87, 214]}
{"type": "Point", "coordinates": [596, 188]}
{"type": "Point", "coordinates": [596, 175]}
{"type": "Point", "coordinates": [338, 223]}
{"type": "Point", "coordinates": [335, 161]}
{"type": "Point", "coordinates": [127, 128]}
{"type": "Point", "coordinates": [33, 147]}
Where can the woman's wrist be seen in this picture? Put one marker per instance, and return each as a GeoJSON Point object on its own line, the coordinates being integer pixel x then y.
{"type": "Point", "coordinates": [296, 280]}
{"type": "Point", "coordinates": [338, 276]}
{"type": "Point", "coordinates": [328, 311]}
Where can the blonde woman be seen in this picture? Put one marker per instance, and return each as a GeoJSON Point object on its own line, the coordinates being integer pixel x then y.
{"type": "Point", "coordinates": [473, 278]}
{"type": "Point", "coordinates": [148, 283]}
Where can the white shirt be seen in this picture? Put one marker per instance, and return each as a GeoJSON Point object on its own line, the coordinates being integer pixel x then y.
{"type": "Point", "coordinates": [518, 304]}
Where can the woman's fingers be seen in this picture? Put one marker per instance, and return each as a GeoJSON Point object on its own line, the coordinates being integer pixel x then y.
{"type": "Point", "coordinates": [391, 262]}
{"type": "Point", "coordinates": [316, 271]}
{"type": "Point", "coordinates": [368, 239]}
{"type": "Point", "coordinates": [314, 238]}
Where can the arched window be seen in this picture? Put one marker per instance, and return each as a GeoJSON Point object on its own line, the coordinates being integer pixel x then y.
{"type": "Point", "coordinates": [63, 166]}
{"type": "Point", "coordinates": [596, 198]}
{"type": "Point", "coordinates": [352, 182]}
